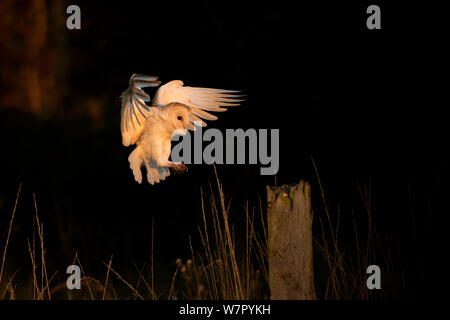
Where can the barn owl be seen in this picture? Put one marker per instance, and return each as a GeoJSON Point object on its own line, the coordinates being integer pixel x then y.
{"type": "Point", "coordinates": [175, 109]}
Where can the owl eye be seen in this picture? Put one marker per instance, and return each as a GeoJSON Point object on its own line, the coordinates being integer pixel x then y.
{"type": "Point", "coordinates": [179, 117]}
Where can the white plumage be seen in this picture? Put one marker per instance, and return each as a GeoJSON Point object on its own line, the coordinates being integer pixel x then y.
{"type": "Point", "coordinates": [174, 109]}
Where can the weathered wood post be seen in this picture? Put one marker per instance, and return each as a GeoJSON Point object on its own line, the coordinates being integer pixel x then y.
{"type": "Point", "coordinates": [289, 218]}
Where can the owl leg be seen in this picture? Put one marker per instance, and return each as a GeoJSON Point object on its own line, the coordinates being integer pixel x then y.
{"type": "Point", "coordinates": [162, 158]}
{"type": "Point", "coordinates": [177, 167]}
{"type": "Point", "coordinates": [135, 164]}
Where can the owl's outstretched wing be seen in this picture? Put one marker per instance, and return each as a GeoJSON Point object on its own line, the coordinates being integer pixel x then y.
{"type": "Point", "coordinates": [134, 111]}
{"type": "Point", "coordinates": [198, 99]}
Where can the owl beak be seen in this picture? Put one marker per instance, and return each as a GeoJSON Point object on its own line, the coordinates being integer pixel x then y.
{"type": "Point", "coordinates": [179, 132]}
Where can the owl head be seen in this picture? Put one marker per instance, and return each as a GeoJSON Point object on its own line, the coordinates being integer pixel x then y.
{"type": "Point", "coordinates": [178, 117]}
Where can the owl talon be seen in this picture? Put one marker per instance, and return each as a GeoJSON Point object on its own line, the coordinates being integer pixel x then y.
{"type": "Point", "coordinates": [179, 168]}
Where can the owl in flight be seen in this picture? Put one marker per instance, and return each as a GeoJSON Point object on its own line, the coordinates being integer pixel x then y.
{"type": "Point", "coordinates": [174, 110]}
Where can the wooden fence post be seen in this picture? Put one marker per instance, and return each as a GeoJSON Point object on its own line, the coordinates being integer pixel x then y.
{"type": "Point", "coordinates": [289, 218]}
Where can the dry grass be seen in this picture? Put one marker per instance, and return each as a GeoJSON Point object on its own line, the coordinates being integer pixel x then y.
{"type": "Point", "coordinates": [5, 250]}
{"type": "Point", "coordinates": [347, 265]}
{"type": "Point", "coordinates": [217, 270]}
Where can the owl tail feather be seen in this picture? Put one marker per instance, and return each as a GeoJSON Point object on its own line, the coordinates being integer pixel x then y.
{"type": "Point", "coordinates": [136, 164]}
{"type": "Point", "coordinates": [155, 174]}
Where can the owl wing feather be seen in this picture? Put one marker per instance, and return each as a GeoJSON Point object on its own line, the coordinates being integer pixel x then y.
{"type": "Point", "coordinates": [200, 100]}
{"type": "Point", "coordinates": [134, 111]}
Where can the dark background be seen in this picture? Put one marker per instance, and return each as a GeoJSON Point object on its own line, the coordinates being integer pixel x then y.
{"type": "Point", "coordinates": [363, 103]}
